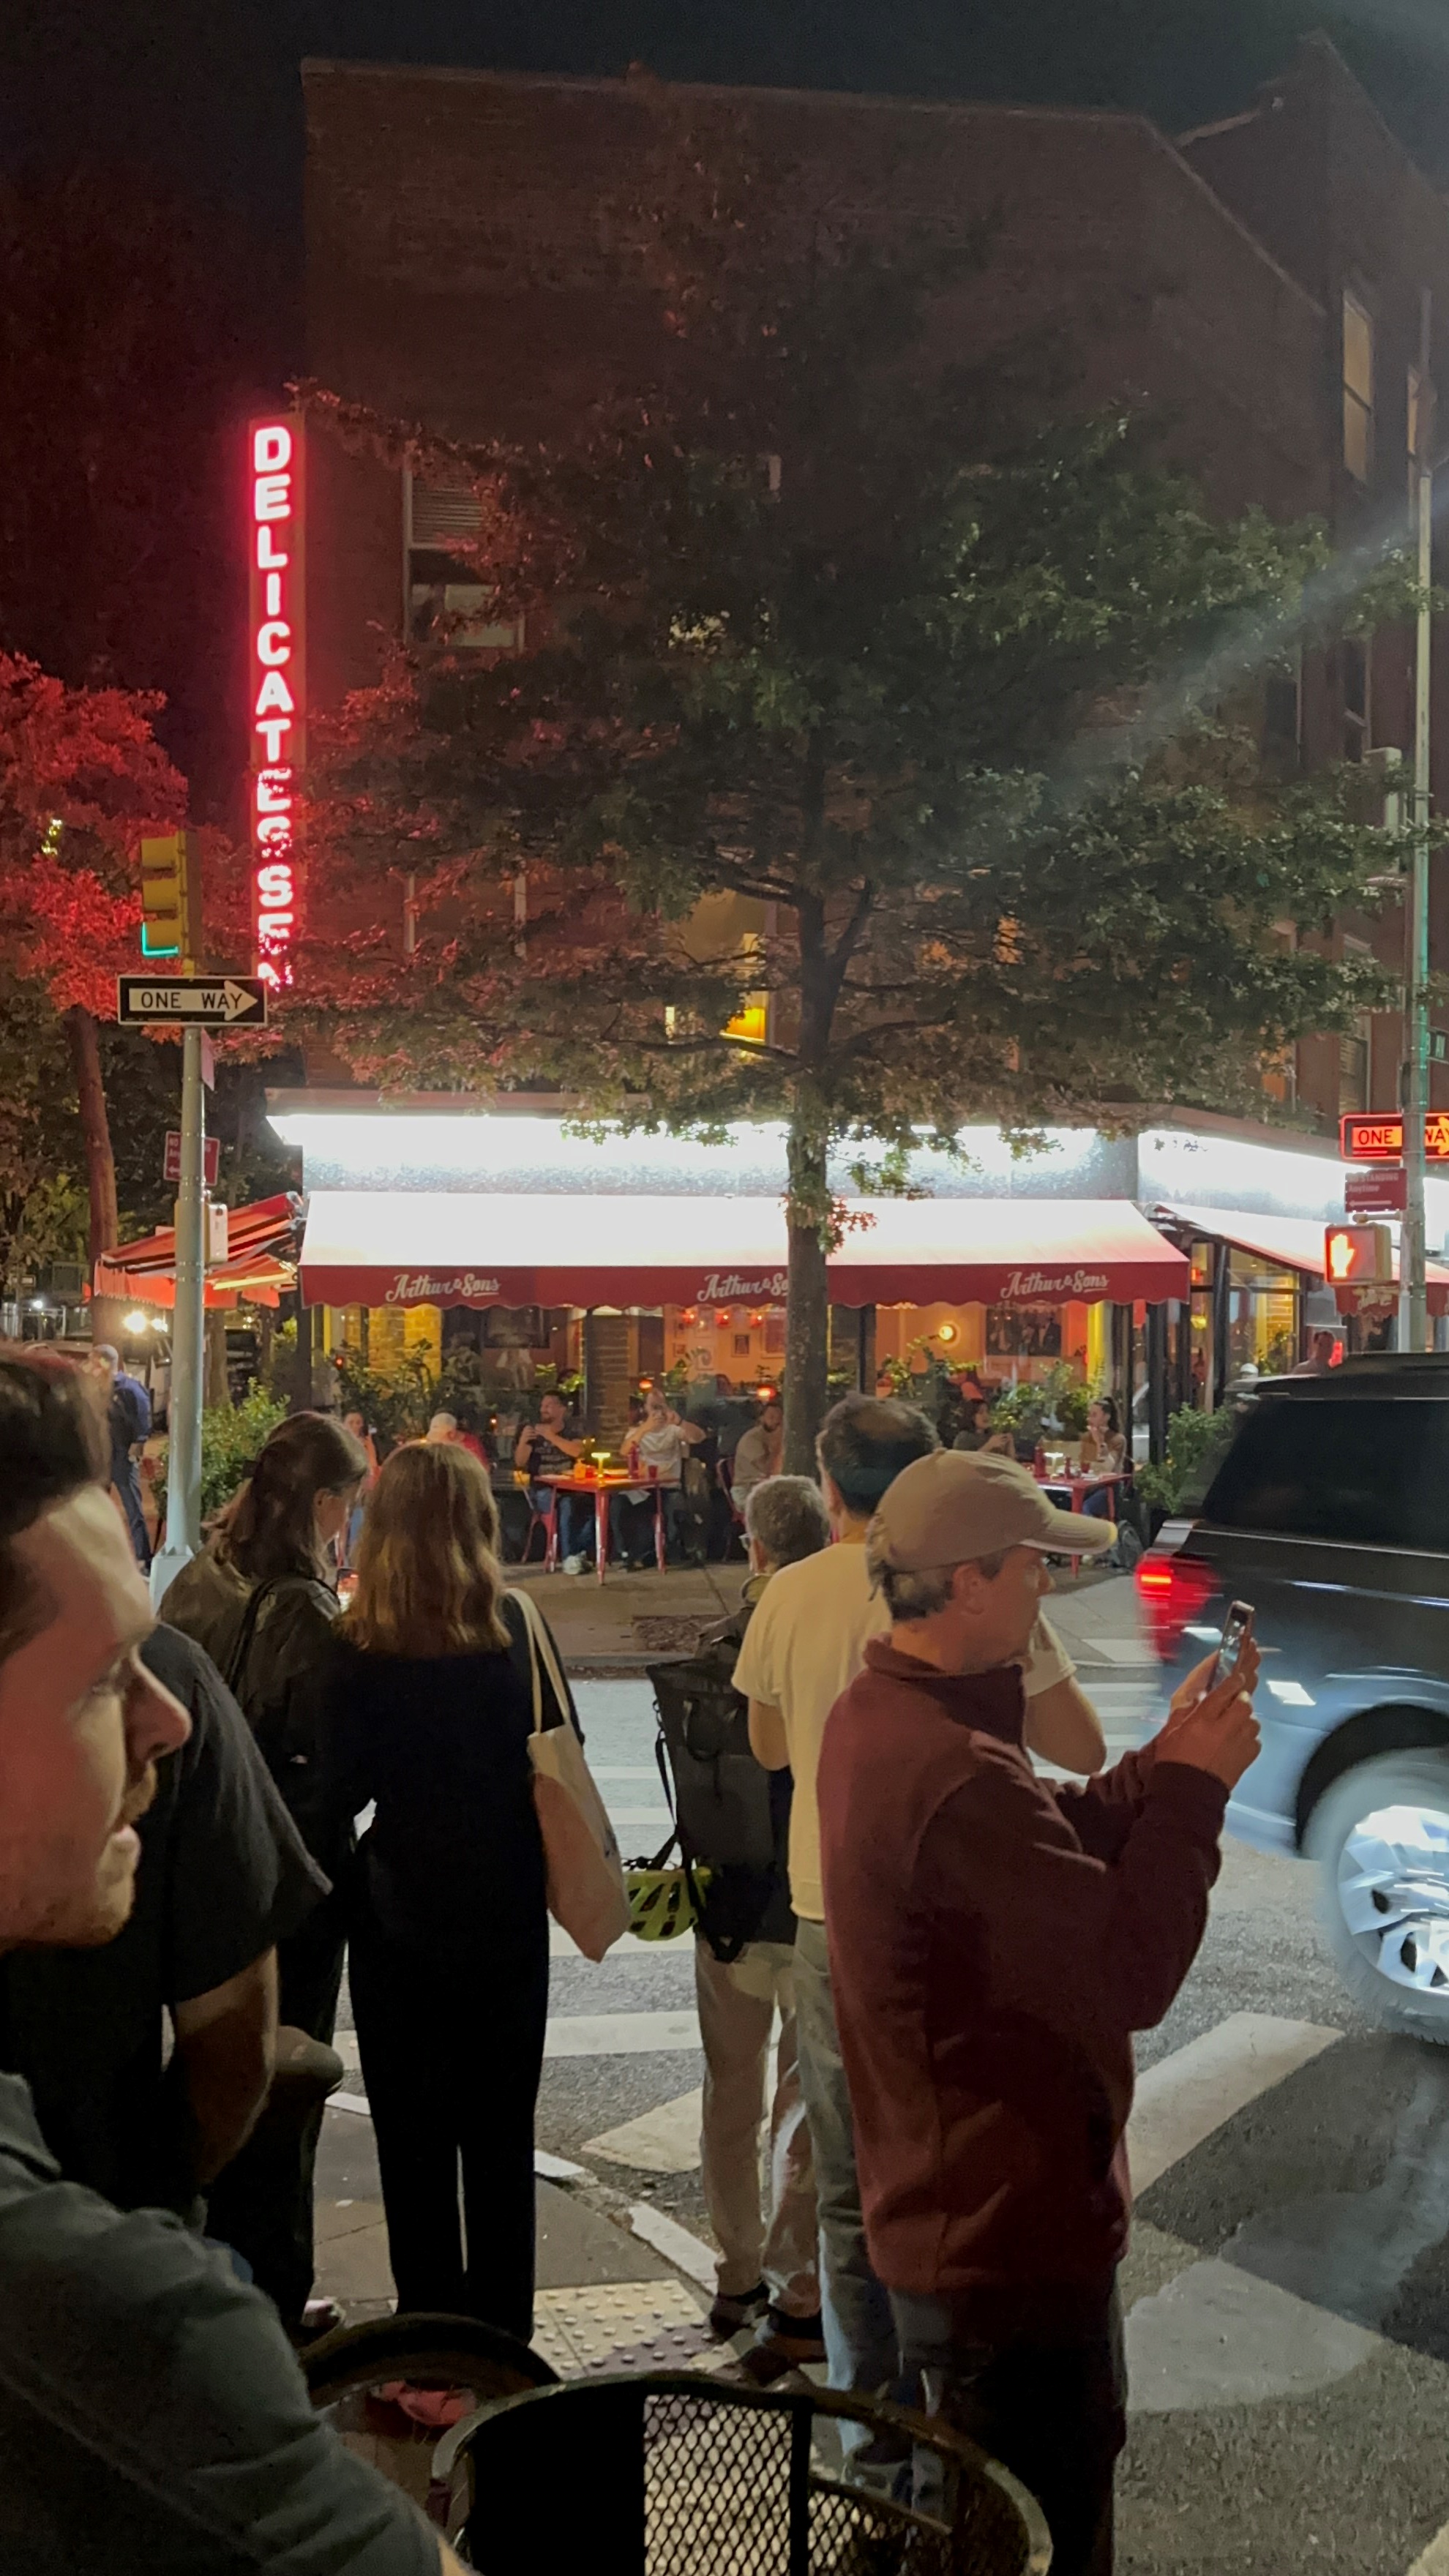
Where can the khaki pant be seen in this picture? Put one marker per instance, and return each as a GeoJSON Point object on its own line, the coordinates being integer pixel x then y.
{"type": "Point", "coordinates": [736, 2012]}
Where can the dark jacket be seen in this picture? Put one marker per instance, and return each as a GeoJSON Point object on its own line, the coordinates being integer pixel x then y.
{"type": "Point", "coordinates": [271, 1642]}
{"type": "Point", "coordinates": [768, 1907]}
{"type": "Point", "coordinates": [452, 1861]}
{"type": "Point", "coordinates": [994, 1942]}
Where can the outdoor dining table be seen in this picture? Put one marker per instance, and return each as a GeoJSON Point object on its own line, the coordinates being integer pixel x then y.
{"type": "Point", "coordinates": [602, 1484]}
{"type": "Point", "coordinates": [1080, 1486]}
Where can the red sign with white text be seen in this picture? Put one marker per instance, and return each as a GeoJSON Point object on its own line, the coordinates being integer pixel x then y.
{"type": "Point", "coordinates": [211, 1153]}
{"type": "Point", "coordinates": [1378, 1137]}
{"type": "Point", "coordinates": [1381, 1191]}
{"type": "Point", "coordinates": [278, 682]}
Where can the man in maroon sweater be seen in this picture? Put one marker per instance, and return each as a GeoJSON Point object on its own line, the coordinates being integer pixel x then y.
{"type": "Point", "coordinates": [994, 1942]}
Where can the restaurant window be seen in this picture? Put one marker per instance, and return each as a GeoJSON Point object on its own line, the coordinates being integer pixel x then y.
{"type": "Point", "coordinates": [1262, 1315]}
{"type": "Point", "coordinates": [1358, 389]}
{"type": "Point", "coordinates": [1283, 718]}
{"type": "Point", "coordinates": [1353, 1068]}
{"type": "Point", "coordinates": [1421, 414]}
{"type": "Point", "coordinates": [1280, 1075]}
{"type": "Point", "coordinates": [1354, 675]}
{"type": "Point", "coordinates": [442, 594]}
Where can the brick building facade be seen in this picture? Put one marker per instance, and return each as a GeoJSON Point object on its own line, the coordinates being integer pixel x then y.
{"type": "Point", "coordinates": [464, 270]}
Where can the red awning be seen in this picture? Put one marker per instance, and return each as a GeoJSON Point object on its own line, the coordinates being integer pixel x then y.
{"type": "Point", "coordinates": [257, 1238]}
{"type": "Point", "coordinates": [482, 1248]}
{"type": "Point", "coordinates": [1294, 1243]}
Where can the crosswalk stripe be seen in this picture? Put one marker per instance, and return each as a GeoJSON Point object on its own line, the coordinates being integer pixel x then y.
{"type": "Point", "coordinates": [665, 2140]}
{"type": "Point", "coordinates": [625, 2034]}
{"type": "Point", "coordinates": [562, 1945]}
{"type": "Point", "coordinates": [1183, 2098]}
{"type": "Point", "coordinates": [1180, 2101]}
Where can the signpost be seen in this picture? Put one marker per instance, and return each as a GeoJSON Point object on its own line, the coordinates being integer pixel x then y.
{"type": "Point", "coordinates": [196, 1001]}
{"type": "Point", "coordinates": [171, 1167]}
{"type": "Point", "coordinates": [1378, 1136]}
{"type": "Point", "coordinates": [1380, 1192]}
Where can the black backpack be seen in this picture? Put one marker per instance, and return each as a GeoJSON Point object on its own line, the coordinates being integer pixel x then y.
{"type": "Point", "coordinates": [726, 1815]}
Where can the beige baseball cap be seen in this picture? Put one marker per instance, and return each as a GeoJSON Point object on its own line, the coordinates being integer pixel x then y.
{"type": "Point", "coordinates": [958, 1504]}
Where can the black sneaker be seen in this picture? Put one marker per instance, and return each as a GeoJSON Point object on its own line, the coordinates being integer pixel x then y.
{"type": "Point", "coordinates": [730, 2315]}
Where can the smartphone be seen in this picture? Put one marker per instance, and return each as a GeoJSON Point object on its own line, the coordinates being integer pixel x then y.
{"type": "Point", "coordinates": [1237, 1628]}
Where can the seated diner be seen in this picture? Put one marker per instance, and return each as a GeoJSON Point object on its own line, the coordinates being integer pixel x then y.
{"type": "Point", "coordinates": [655, 1451]}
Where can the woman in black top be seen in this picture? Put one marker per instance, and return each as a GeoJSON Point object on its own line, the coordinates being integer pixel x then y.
{"type": "Point", "coordinates": [262, 1601]}
{"type": "Point", "coordinates": [431, 1713]}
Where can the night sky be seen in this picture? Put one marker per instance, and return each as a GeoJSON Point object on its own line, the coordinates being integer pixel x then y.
{"type": "Point", "coordinates": [206, 91]}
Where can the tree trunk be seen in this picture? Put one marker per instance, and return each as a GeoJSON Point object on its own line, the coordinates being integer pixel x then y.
{"type": "Point", "coordinates": [807, 1320]}
{"type": "Point", "coordinates": [105, 1223]}
{"type": "Point", "coordinates": [217, 1389]}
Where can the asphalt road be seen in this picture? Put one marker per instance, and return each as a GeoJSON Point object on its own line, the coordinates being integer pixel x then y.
{"type": "Point", "coordinates": [1288, 2285]}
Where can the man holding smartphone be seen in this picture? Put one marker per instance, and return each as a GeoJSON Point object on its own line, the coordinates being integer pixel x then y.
{"type": "Point", "coordinates": [994, 1942]}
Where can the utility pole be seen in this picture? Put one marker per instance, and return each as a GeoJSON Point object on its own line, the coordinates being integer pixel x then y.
{"type": "Point", "coordinates": [188, 1328]}
{"type": "Point", "coordinates": [188, 1320]}
{"type": "Point", "coordinates": [1413, 1303]}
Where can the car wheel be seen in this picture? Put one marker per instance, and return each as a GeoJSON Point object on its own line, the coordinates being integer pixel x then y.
{"type": "Point", "coordinates": [1380, 1837]}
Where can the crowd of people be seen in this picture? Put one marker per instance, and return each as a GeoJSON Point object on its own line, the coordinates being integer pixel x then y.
{"type": "Point", "coordinates": [957, 1953]}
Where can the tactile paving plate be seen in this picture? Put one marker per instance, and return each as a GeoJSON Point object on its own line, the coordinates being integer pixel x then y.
{"type": "Point", "coordinates": [624, 2325]}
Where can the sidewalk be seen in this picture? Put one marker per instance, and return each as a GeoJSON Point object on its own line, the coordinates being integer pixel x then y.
{"type": "Point", "coordinates": [606, 2298]}
{"type": "Point", "coordinates": [618, 1626]}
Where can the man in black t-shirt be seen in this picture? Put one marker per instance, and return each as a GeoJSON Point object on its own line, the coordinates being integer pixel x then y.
{"type": "Point", "coordinates": [153, 2421]}
{"type": "Point", "coordinates": [549, 1447]}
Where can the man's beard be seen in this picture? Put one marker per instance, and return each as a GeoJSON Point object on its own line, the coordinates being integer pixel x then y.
{"type": "Point", "coordinates": [62, 1905]}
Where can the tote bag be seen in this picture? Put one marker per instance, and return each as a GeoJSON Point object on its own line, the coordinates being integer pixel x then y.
{"type": "Point", "coordinates": [586, 1891]}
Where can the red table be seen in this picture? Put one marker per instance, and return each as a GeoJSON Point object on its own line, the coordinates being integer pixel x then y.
{"type": "Point", "coordinates": [613, 1480]}
{"type": "Point", "coordinates": [1079, 1487]}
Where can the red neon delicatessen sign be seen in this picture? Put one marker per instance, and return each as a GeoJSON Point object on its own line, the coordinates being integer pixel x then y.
{"type": "Point", "coordinates": [278, 683]}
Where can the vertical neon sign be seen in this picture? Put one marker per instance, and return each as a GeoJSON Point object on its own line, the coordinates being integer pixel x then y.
{"type": "Point", "coordinates": [278, 683]}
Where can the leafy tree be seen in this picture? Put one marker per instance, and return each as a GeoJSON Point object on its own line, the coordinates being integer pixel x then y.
{"type": "Point", "coordinates": [81, 778]}
{"type": "Point", "coordinates": [870, 763]}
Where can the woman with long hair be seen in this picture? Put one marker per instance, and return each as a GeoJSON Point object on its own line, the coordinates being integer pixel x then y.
{"type": "Point", "coordinates": [431, 1711]}
{"type": "Point", "coordinates": [1103, 1454]}
{"type": "Point", "coordinates": [262, 1601]}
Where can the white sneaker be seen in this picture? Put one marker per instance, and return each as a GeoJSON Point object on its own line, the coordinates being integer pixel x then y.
{"type": "Point", "coordinates": [573, 1565]}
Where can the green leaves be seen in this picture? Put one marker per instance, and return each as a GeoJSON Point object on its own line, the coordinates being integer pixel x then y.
{"type": "Point", "coordinates": [946, 726]}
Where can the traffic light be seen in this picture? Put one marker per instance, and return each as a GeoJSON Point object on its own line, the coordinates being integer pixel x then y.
{"type": "Point", "coordinates": [1354, 1255]}
{"type": "Point", "coordinates": [170, 897]}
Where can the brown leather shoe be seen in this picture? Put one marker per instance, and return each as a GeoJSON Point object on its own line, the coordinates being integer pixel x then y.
{"type": "Point", "coordinates": [732, 2312]}
{"type": "Point", "coordinates": [781, 2344]}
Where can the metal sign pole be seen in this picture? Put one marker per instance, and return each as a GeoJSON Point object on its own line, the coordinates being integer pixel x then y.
{"type": "Point", "coordinates": [183, 1471]}
{"type": "Point", "coordinates": [1413, 1300]}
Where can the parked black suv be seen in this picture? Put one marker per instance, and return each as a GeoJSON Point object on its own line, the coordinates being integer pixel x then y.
{"type": "Point", "coordinates": [1330, 1513]}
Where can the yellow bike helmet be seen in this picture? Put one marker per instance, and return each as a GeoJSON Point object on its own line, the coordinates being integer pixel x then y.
{"type": "Point", "coordinates": [663, 1903]}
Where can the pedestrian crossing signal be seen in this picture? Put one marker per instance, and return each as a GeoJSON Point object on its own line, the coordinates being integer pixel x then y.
{"type": "Point", "coordinates": [1354, 1255]}
{"type": "Point", "coordinates": [169, 896]}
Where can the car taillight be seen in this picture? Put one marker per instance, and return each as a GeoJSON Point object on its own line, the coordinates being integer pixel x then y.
{"type": "Point", "coordinates": [1173, 1590]}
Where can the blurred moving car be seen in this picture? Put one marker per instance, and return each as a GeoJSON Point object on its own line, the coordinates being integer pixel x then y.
{"type": "Point", "coordinates": [1330, 1513]}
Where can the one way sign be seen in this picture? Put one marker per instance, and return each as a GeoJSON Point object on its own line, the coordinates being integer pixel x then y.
{"type": "Point", "coordinates": [197, 1001]}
